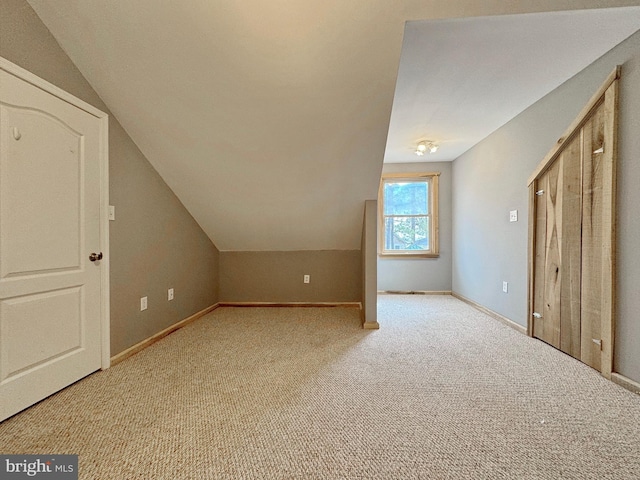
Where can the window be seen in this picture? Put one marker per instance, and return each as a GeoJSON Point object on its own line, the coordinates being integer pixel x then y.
{"type": "Point", "coordinates": [408, 205]}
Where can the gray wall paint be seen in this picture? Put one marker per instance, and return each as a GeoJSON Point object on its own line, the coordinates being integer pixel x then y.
{"type": "Point", "coordinates": [431, 274]}
{"type": "Point", "coordinates": [336, 276]}
{"type": "Point", "coordinates": [155, 244]}
{"type": "Point", "coordinates": [491, 179]}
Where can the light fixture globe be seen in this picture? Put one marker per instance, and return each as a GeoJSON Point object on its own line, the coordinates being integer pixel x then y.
{"type": "Point", "coordinates": [425, 146]}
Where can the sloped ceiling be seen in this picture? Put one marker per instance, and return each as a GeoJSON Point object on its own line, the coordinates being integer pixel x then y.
{"type": "Point", "coordinates": [461, 79]}
{"type": "Point", "coordinates": [269, 119]}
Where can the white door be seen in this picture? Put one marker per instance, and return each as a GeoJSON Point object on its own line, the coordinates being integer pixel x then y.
{"type": "Point", "coordinates": [50, 290]}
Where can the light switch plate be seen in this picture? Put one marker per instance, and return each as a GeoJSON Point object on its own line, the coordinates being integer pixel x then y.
{"type": "Point", "coordinates": [112, 212]}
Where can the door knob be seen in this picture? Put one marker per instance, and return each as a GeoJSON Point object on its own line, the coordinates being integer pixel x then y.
{"type": "Point", "coordinates": [94, 257]}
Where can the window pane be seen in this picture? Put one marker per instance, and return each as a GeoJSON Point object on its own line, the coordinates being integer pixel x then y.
{"type": "Point", "coordinates": [406, 198]}
{"type": "Point", "coordinates": [406, 233]}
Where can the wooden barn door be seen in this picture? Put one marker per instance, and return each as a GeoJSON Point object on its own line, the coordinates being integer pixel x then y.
{"type": "Point", "coordinates": [572, 231]}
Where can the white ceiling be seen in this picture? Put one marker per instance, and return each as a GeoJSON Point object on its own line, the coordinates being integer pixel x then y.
{"type": "Point", "coordinates": [461, 79]}
{"type": "Point", "coordinates": [269, 119]}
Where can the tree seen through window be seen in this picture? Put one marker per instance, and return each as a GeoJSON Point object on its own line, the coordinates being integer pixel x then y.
{"type": "Point", "coordinates": [407, 215]}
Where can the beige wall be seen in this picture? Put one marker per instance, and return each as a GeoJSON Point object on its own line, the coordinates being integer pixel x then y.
{"type": "Point", "coordinates": [369, 250]}
{"type": "Point", "coordinates": [336, 276]}
{"type": "Point", "coordinates": [155, 243]}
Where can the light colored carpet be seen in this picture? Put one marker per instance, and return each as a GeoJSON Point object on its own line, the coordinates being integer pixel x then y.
{"type": "Point", "coordinates": [440, 391]}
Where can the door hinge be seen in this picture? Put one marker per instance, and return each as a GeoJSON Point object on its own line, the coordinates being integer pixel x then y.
{"type": "Point", "coordinates": [597, 342]}
{"type": "Point", "coordinates": [540, 192]}
{"type": "Point", "coordinates": [536, 315]}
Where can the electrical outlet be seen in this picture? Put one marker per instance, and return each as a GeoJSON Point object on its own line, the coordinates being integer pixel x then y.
{"type": "Point", "coordinates": [170, 294]}
{"type": "Point", "coordinates": [513, 216]}
{"type": "Point", "coordinates": [505, 287]}
{"type": "Point", "coordinates": [306, 279]}
{"type": "Point", "coordinates": [143, 303]}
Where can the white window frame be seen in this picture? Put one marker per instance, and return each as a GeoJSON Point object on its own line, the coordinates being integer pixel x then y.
{"type": "Point", "coordinates": [432, 179]}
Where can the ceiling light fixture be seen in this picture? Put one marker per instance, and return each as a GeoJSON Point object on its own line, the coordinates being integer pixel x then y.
{"type": "Point", "coordinates": [424, 146]}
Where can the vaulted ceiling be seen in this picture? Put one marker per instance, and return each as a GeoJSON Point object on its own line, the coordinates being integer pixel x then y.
{"type": "Point", "coordinates": [269, 120]}
{"type": "Point", "coordinates": [461, 79]}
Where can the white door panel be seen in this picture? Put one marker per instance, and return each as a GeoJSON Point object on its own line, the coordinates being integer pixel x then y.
{"type": "Point", "coordinates": [50, 293]}
{"type": "Point", "coordinates": [30, 339]}
{"type": "Point", "coordinates": [31, 202]}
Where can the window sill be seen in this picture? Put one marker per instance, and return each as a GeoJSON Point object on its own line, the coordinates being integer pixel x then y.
{"type": "Point", "coordinates": [408, 255]}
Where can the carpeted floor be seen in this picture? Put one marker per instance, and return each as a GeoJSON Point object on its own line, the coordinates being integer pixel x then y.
{"type": "Point", "coordinates": [441, 391]}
